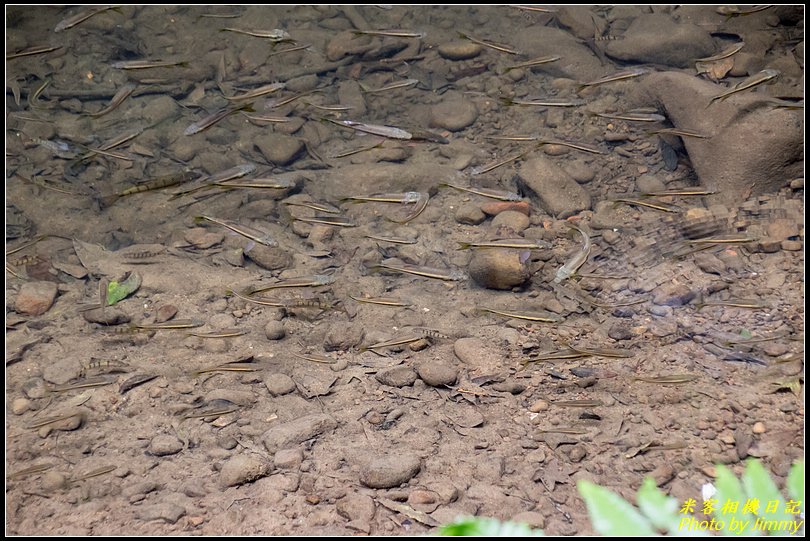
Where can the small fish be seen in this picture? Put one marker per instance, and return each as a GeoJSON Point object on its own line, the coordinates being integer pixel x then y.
{"type": "Point", "coordinates": [395, 240]}
{"type": "Point", "coordinates": [578, 146]}
{"type": "Point", "coordinates": [603, 352]}
{"type": "Point", "coordinates": [542, 103]}
{"type": "Point", "coordinates": [93, 473]}
{"type": "Point", "coordinates": [45, 421]}
{"type": "Point", "coordinates": [679, 132]}
{"type": "Point", "coordinates": [674, 379]}
{"type": "Point", "coordinates": [425, 272]}
{"type": "Point", "coordinates": [737, 11]}
{"type": "Point", "coordinates": [314, 205]}
{"type": "Point", "coordinates": [655, 446]}
{"type": "Point", "coordinates": [563, 430]}
{"type": "Point", "coordinates": [763, 77]}
{"type": "Point", "coordinates": [394, 342]}
{"type": "Point", "coordinates": [561, 355]}
{"type": "Point", "coordinates": [212, 410]}
{"type": "Point", "coordinates": [256, 92]}
{"type": "Point", "coordinates": [725, 53]}
{"type": "Point", "coordinates": [264, 119]}
{"type": "Point", "coordinates": [290, 49]}
{"type": "Point", "coordinates": [222, 333]}
{"type": "Point", "coordinates": [656, 206]}
{"type": "Point", "coordinates": [374, 129]}
{"type": "Point", "coordinates": [519, 244]}
{"type": "Point", "coordinates": [407, 197]}
{"type": "Point", "coordinates": [584, 403]}
{"type": "Point", "coordinates": [212, 119]}
{"type": "Point", "coordinates": [491, 44]}
{"type": "Point", "coordinates": [40, 49]}
{"type": "Point", "coordinates": [33, 98]}
{"type": "Point", "coordinates": [356, 151]}
{"type": "Point", "coordinates": [726, 239]}
{"type": "Point", "coordinates": [500, 195]}
{"type": "Point", "coordinates": [168, 325]}
{"type": "Point", "coordinates": [259, 183]}
{"type": "Point", "coordinates": [683, 192]}
{"type": "Point", "coordinates": [618, 76]}
{"type": "Point", "coordinates": [385, 301]}
{"type": "Point", "coordinates": [486, 168]}
{"type": "Point", "coordinates": [31, 470]}
{"type": "Point", "coordinates": [735, 303]}
{"type": "Point", "coordinates": [420, 200]}
{"type": "Point", "coordinates": [338, 221]}
{"type": "Point", "coordinates": [571, 266]}
{"type": "Point", "coordinates": [119, 97]}
{"type": "Point", "coordinates": [333, 108]}
{"type": "Point", "coordinates": [277, 34]}
{"type": "Point", "coordinates": [391, 33]}
{"type": "Point", "coordinates": [149, 185]}
{"type": "Point", "coordinates": [80, 17]}
{"type": "Point", "coordinates": [147, 64]}
{"type": "Point", "coordinates": [321, 359]}
{"type": "Point", "coordinates": [540, 317]}
{"type": "Point", "coordinates": [393, 86]}
{"type": "Point", "coordinates": [86, 383]}
{"type": "Point", "coordinates": [228, 367]}
{"type": "Point", "coordinates": [634, 117]}
{"type": "Point", "coordinates": [316, 280]}
{"type": "Point", "coordinates": [135, 381]}
{"type": "Point", "coordinates": [107, 366]}
{"type": "Point", "coordinates": [533, 62]}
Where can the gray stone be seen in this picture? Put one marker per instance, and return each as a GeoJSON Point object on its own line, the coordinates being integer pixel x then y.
{"type": "Point", "coordinates": [356, 507]}
{"type": "Point", "coordinates": [288, 459]}
{"type": "Point", "coordinates": [454, 113]}
{"type": "Point", "coordinates": [398, 376]}
{"type": "Point", "coordinates": [242, 469]}
{"type": "Point", "coordinates": [751, 148]}
{"type": "Point", "coordinates": [580, 171]}
{"type": "Point", "coordinates": [470, 214]}
{"type": "Point", "coordinates": [347, 43]}
{"type": "Point", "coordinates": [477, 354]}
{"type": "Point", "coordinates": [164, 445]}
{"type": "Point", "coordinates": [650, 183]}
{"type": "Point", "coordinates": [158, 109]}
{"type": "Point", "coordinates": [343, 337]}
{"type": "Point", "coordinates": [580, 62]}
{"type": "Point", "coordinates": [167, 512]}
{"type": "Point", "coordinates": [673, 295]}
{"type": "Point", "coordinates": [557, 192]}
{"type": "Point", "coordinates": [294, 432]}
{"type": "Point", "coordinates": [437, 374]}
{"type": "Point", "coordinates": [657, 38]}
{"type": "Point", "coordinates": [278, 148]}
{"type": "Point", "coordinates": [269, 257]}
{"type": "Point", "coordinates": [710, 263]}
{"type": "Point", "coordinates": [350, 95]}
{"type": "Point", "coordinates": [390, 471]}
{"type": "Point", "coordinates": [35, 298]}
{"type": "Point", "coordinates": [274, 330]}
{"type": "Point", "coordinates": [514, 220]}
{"type": "Point", "coordinates": [279, 384]}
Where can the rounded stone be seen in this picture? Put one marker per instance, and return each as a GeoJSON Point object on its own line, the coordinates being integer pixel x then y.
{"type": "Point", "coordinates": [164, 445]}
{"type": "Point", "coordinates": [242, 469]}
{"type": "Point", "coordinates": [274, 330]}
{"type": "Point", "coordinates": [399, 376]}
{"type": "Point", "coordinates": [453, 114]}
{"type": "Point", "coordinates": [498, 268]}
{"type": "Point", "coordinates": [390, 471]}
{"type": "Point", "coordinates": [514, 220]}
{"type": "Point", "coordinates": [279, 384]}
{"type": "Point", "coordinates": [437, 374]}
{"type": "Point", "coordinates": [459, 50]}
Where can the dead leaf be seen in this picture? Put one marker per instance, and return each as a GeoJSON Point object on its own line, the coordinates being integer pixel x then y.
{"type": "Point", "coordinates": [715, 70]}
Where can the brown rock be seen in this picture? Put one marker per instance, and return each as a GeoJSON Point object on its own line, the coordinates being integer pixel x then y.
{"type": "Point", "coordinates": [459, 50]}
{"type": "Point", "coordinates": [498, 268]}
{"type": "Point", "coordinates": [35, 298]}
{"type": "Point", "coordinates": [496, 207]}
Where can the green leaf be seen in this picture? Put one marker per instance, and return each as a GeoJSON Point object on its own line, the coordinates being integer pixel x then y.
{"type": "Point", "coordinates": [661, 510]}
{"type": "Point", "coordinates": [611, 514]}
{"type": "Point", "coordinates": [759, 485]}
{"type": "Point", "coordinates": [729, 489]}
{"type": "Point", "coordinates": [119, 291]}
{"type": "Point", "coordinates": [487, 527]}
{"type": "Point", "coordinates": [795, 483]}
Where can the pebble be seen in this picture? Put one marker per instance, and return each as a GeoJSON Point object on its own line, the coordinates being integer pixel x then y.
{"type": "Point", "coordinates": [274, 330]}
{"type": "Point", "coordinates": [398, 376]}
{"type": "Point", "coordinates": [285, 435]}
{"type": "Point", "coordinates": [288, 459]}
{"type": "Point", "coordinates": [516, 221]}
{"type": "Point", "coordinates": [35, 298]}
{"type": "Point", "coordinates": [758, 428]}
{"type": "Point", "coordinates": [556, 150]}
{"type": "Point", "coordinates": [558, 193]}
{"type": "Point", "coordinates": [168, 512]}
{"type": "Point", "coordinates": [792, 245]}
{"type": "Point", "coordinates": [240, 397]}
{"type": "Point", "coordinates": [356, 507]}
{"type": "Point", "coordinates": [531, 518]}
{"type": "Point", "coordinates": [650, 183]}
{"type": "Point", "coordinates": [469, 214]}
{"type": "Point", "coordinates": [343, 337]}
{"type": "Point", "coordinates": [453, 114]}
{"type": "Point", "coordinates": [663, 474]}
{"type": "Point", "coordinates": [390, 471]}
{"type": "Point", "coordinates": [476, 353]}
{"type": "Point", "coordinates": [580, 172]}
{"type": "Point", "coordinates": [710, 263]}
{"type": "Point", "coordinates": [459, 50]}
{"type": "Point", "coordinates": [673, 295]}
{"type": "Point", "coordinates": [538, 406]}
{"type": "Point", "coordinates": [242, 469]}
{"type": "Point", "coordinates": [21, 405]}
{"type": "Point", "coordinates": [498, 268]}
{"type": "Point", "coordinates": [775, 349]}
{"type": "Point", "coordinates": [269, 257]}
{"type": "Point", "coordinates": [164, 445]}
{"type": "Point", "coordinates": [620, 331]}
{"type": "Point", "coordinates": [437, 374]}
{"type": "Point", "coordinates": [202, 238]}
{"type": "Point", "coordinates": [496, 207]}
{"type": "Point", "coordinates": [347, 43]}
{"type": "Point", "coordinates": [279, 384]}
{"type": "Point", "coordinates": [278, 148]}
{"type": "Point", "coordinates": [52, 481]}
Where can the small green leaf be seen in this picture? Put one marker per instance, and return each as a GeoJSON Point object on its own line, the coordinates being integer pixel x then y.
{"type": "Point", "coordinates": [759, 485]}
{"type": "Point", "coordinates": [795, 483]}
{"type": "Point", "coordinates": [656, 506]}
{"type": "Point", "coordinates": [119, 291]}
{"type": "Point", "coordinates": [611, 514]}
{"type": "Point", "coordinates": [729, 490]}
{"type": "Point", "coordinates": [487, 527]}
